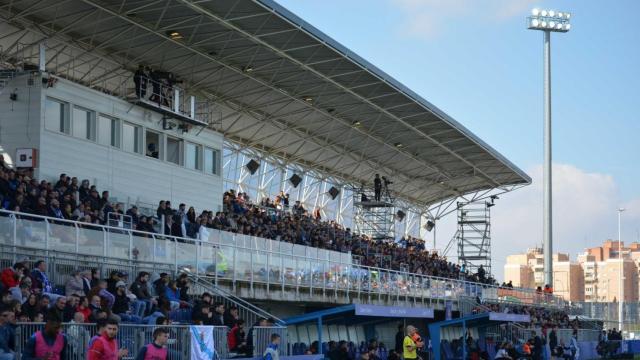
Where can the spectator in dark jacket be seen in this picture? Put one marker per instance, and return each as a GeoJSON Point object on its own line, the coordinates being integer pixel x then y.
{"type": "Point", "coordinates": [133, 213]}
{"type": "Point", "coordinates": [113, 279]}
{"type": "Point", "coordinates": [161, 283]}
{"type": "Point", "coordinates": [121, 306]}
{"type": "Point", "coordinates": [218, 314]}
{"type": "Point", "coordinates": [231, 317]}
{"type": "Point", "coordinates": [140, 288]}
{"type": "Point", "coordinates": [40, 281]}
{"type": "Point", "coordinates": [7, 333]}
{"type": "Point", "coordinates": [54, 210]}
{"type": "Point", "coordinates": [57, 310]}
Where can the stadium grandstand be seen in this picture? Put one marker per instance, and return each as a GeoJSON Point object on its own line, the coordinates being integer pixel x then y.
{"type": "Point", "coordinates": [202, 179]}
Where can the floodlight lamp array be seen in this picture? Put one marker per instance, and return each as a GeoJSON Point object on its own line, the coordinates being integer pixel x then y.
{"type": "Point", "coordinates": [549, 20]}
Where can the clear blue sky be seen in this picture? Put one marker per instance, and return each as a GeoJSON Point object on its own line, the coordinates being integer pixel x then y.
{"type": "Point", "coordinates": [486, 72]}
{"type": "Point", "coordinates": [476, 60]}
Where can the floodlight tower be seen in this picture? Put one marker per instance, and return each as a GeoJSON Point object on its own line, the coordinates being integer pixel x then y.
{"type": "Point", "coordinates": [620, 275]}
{"type": "Point", "coordinates": [548, 21]}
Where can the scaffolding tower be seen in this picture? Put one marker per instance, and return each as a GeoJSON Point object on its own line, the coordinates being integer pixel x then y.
{"type": "Point", "coordinates": [375, 219]}
{"type": "Point", "coordinates": [474, 235]}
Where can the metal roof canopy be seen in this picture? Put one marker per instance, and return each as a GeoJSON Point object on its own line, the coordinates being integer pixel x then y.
{"type": "Point", "coordinates": [282, 86]}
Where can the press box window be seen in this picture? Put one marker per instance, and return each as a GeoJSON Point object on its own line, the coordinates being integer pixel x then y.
{"type": "Point", "coordinates": [84, 123]}
{"type": "Point", "coordinates": [131, 138]}
{"type": "Point", "coordinates": [56, 116]}
{"type": "Point", "coordinates": [174, 150]}
{"type": "Point", "coordinates": [194, 156]}
{"type": "Point", "coordinates": [108, 131]}
{"type": "Point", "coordinates": [210, 161]}
{"type": "Point", "coordinates": [152, 140]}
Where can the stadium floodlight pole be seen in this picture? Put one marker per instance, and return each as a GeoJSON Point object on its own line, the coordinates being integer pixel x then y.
{"type": "Point", "coordinates": [621, 274]}
{"type": "Point", "coordinates": [548, 21]}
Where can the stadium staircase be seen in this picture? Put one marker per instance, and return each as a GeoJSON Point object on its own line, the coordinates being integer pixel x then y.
{"type": "Point", "coordinates": [247, 311]}
{"type": "Point", "coordinates": [469, 306]}
{"type": "Point", "coordinates": [508, 332]}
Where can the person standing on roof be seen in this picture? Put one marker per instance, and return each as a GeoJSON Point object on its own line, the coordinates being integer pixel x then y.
{"type": "Point", "coordinates": [377, 187]}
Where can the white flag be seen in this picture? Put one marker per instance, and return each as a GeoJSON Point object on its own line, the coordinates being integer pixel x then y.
{"type": "Point", "coordinates": [202, 343]}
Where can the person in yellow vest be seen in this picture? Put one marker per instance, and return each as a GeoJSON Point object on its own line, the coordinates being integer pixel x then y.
{"type": "Point", "coordinates": [409, 346]}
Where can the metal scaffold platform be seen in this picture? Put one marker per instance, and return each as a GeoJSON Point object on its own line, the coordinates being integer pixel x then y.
{"type": "Point", "coordinates": [375, 219]}
{"type": "Point", "coordinates": [473, 237]}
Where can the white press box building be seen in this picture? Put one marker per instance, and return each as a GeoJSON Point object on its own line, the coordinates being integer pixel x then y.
{"type": "Point", "coordinates": [139, 154]}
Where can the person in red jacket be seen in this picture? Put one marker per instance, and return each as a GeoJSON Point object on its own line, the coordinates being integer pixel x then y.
{"type": "Point", "coordinates": [236, 340]}
{"type": "Point", "coordinates": [105, 347]}
{"type": "Point", "coordinates": [11, 276]}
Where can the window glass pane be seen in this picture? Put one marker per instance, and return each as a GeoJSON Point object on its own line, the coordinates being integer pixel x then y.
{"type": "Point", "coordinates": [131, 138]}
{"type": "Point", "coordinates": [193, 156]}
{"type": "Point", "coordinates": [55, 116]}
{"type": "Point", "coordinates": [138, 139]}
{"type": "Point", "coordinates": [153, 144]}
{"type": "Point", "coordinates": [104, 130]}
{"type": "Point", "coordinates": [173, 150]}
{"type": "Point", "coordinates": [83, 123]}
{"type": "Point", "coordinates": [108, 131]}
{"type": "Point", "coordinates": [115, 133]}
{"type": "Point", "coordinates": [210, 161]}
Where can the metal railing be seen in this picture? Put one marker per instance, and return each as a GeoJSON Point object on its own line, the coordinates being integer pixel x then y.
{"type": "Point", "coordinates": [231, 258]}
{"type": "Point", "coordinates": [262, 339]}
{"type": "Point", "coordinates": [119, 220]}
{"type": "Point", "coordinates": [469, 306]}
{"type": "Point", "coordinates": [163, 93]}
{"type": "Point", "coordinates": [246, 311]}
{"type": "Point", "coordinates": [134, 337]}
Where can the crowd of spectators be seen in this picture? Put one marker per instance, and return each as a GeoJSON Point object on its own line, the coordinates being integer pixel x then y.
{"type": "Point", "coordinates": [541, 317]}
{"type": "Point", "coordinates": [86, 297]}
{"type": "Point", "coordinates": [71, 199]}
{"type": "Point", "coordinates": [609, 343]}
{"type": "Point", "coordinates": [29, 296]}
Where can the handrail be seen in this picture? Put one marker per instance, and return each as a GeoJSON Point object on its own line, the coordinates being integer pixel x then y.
{"type": "Point", "coordinates": [232, 298]}
{"type": "Point", "coordinates": [449, 283]}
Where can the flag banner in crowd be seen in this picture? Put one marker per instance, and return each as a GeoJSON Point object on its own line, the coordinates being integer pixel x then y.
{"type": "Point", "coordinates": [202, 343]}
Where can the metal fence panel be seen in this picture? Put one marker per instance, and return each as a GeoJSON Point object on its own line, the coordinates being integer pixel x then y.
{"type": "Point", "coordinates": [131, 337]}
{"type": "Point", "coordinates": [262, 339]}
{"type": "Point", "coordinates": [240, 259]}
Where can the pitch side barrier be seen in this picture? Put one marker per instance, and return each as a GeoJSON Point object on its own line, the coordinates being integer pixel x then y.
{"type": "Point", "coordinates": [229, 258]}
{"type": "Point", "coordinates": [133, 337]}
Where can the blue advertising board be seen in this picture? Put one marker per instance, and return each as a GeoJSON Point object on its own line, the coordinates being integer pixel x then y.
{"type": "Point", "coordinates": [393, 311]}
